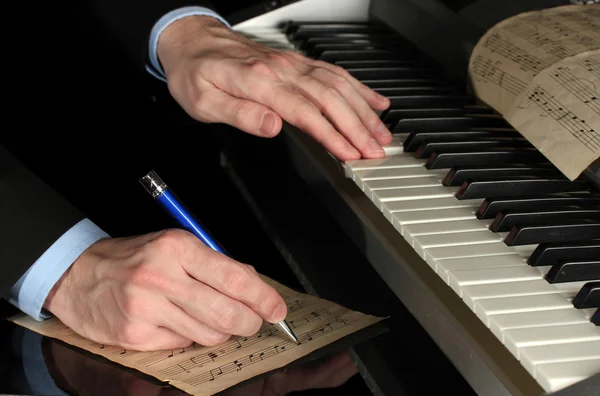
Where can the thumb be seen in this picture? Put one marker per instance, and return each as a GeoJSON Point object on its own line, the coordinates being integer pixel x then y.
{"type": "Point", "coordinates": [218, 106]}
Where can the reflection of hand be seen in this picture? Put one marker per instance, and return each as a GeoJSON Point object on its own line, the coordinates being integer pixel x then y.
{"type": "Point", "coordinates": [330, 373]}
{"type": "Point", "coordinates": [79, 374]}
{"type": "Point", "coordinates": [162, 291]}
{"type": "Point", "coordinates": [218, 75]}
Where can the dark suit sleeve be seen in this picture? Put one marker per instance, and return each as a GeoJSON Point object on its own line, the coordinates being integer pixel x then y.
{"type": "Point", "coordinates": [130, 22]}
{"type": "Point", "coordinates": [32, 217]}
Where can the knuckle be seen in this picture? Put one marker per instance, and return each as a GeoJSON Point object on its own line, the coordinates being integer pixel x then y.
{"type": "Point", "coordinates": [330, 95]}
{"type": "Point", "coordinates": [242, 112]}
{"type": "Point", "coordinates": [237, 281]}
{"type": "Point", "coordinates": [259, 66]}
{"type": "Point", "coordinates": [227, 317]}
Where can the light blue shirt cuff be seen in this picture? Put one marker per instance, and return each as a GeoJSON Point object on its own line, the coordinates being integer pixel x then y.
{"type": "Point", "coordinates": [30, 292]}
{"type": "Point", "coordinates": [155, 68]}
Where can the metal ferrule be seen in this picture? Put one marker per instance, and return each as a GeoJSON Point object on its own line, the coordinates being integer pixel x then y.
{"type": "Point", "coordinates": [153, 184]}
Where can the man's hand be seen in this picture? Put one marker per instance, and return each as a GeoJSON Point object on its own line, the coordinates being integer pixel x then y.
{"type": "Point", "coordinates": [217, 75]}
{"type": "Point", "coordinates": [162, 291]}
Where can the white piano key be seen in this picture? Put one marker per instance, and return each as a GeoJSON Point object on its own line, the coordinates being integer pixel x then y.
{"type": "Point", "coordinates": [515, 339]}
{"type": "Point", "coordinates": [403, 194]}
{"type": "Point", "coordinates": [396, 146]}
{"type": "Point", "coordinates": [434, 216]}
{"type": "Point", "coordinates": [413, 182]}
{"type": "Point", "coordinates": [397, 173]}
{"type": "Point", "coordinates": [534, 356]}
{"type": "Point", "coordinates": [473, 293]}
{"type": "Point", "coordinates": [395, 161]}
{"type": "Point", "coordinates": [391, 207]}
{"type": "Point", "coordinates": [486, 308]}
{"type": "Point", "coordinates": [556, 376]}
{"type": "Point", "coordinates": [424, 242]}
{"type": "Point", "coordinates": [454, 252]}
{"type": "Point", "coordinates": [444, 267]}
{"type": "Point", "coordinates": [503, 322]}
{"type": "Point", "coordinates": [483, 276]}
{"type": "Point", "coordinates": [443, 227]}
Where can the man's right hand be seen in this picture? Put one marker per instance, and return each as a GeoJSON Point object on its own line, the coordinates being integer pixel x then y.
{"type": "Point", "coordinates": [162, 290]}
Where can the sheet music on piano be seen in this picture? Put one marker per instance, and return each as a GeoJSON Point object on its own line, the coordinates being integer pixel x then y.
{"type": "Point", "coordinates": [541, 71]}
{"type": "Point", "coordinates": [202, 370]}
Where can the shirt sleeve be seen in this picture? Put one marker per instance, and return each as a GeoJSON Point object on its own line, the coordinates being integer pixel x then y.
{"type": "Point", "coordinates": [31, 290]}
{"type": "Point", "coordinates": [154, 67]}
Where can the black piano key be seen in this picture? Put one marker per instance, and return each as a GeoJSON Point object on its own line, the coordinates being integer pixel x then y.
{"type": "Point", "coordinates": [364, 38]}
{"type": "Point", "coordinates": [378, 73]}
{"type": "Point", "coordinates": [516, 187]}
{"type": "Point", "coordinates": [427, 149]}
{"type": "Point", "coordinates": [443, 160]}
{"type": "Point", "coordinates": [574, 272]}
{"type": "Point", "coordinates": [416, 139]}
{"type": "Point", "coordinates": [588, 296]}
{"type": "Point", "coordinates": [504, 222]}
{"type": "Point", "coordinates": [457, 176]}
{"type": "Point", "coordinates": [361, 64]}
{"type": "Point", "coordinates": [433, 101]}
{"type": "Point", "coordinates": [451, 124]}
{"type": "Point", "coordinates": [392, 116]}
{"type": "Point", "coordinates": [332, 56]}
{"type": "Point", "coordinates": [411, 91]}
{"type": "Point", "coordinates": [318, 49]}
{"type": "Point", "coordinates": [547, 254]}
{"type": "Point", "coordinates": [490, 207]}
{"type": "Point", "coordinates": [572, 230]}
{"type": "Point", "coordinates": [595, 319]}
{"type": "Point", "coordinates": [401, 83]}
{"type": "Point", "coordinates": [302, 31]}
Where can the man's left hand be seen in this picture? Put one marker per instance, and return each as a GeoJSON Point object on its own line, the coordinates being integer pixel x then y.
{"type": "Point", "coordinates": [219, 76]}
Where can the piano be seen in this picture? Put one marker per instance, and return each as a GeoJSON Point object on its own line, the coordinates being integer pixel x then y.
{"type": "Point", "coordinates": [488, 246]}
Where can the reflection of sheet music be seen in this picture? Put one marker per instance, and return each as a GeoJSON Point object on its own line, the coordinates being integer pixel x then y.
{"type": "Point", "coordinates": [541, 71]}
{"type": "Point", "coordinates": [204, 370]}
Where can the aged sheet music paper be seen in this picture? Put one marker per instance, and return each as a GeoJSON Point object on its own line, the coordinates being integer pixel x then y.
{"type": "Point", "coordinates": [200, 370]}
{"type": "Point", "coordinates": [541, 71]}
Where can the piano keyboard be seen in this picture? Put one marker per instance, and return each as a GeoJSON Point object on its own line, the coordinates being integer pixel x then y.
{"type": "Point", "coordinates": [516, 241]}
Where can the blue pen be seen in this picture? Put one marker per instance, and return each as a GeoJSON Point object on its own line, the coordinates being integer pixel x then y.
{"type": "Point", "coordinates": [169, 201]}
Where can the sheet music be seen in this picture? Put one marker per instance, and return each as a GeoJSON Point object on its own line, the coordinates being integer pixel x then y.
{"type": "Point", "coordinates": [541, 71]}
{"type": "Point", "coordinates": [201, 370]}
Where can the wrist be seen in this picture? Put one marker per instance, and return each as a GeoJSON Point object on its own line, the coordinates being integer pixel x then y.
{"type": "Point", "coordinates": [184, 36]}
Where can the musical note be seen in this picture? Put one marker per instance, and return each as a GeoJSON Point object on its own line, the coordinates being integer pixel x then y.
{"type": "Point", "coordinates": [551, 107]}
{"type": "Point", "coordinates": [526, 61]}
{"type": "Point", "coordinates": [489, 71]}
{"type": "Point", "coordinates": [584, 90]}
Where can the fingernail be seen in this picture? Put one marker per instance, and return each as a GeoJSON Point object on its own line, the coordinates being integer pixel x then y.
{"type": "Point", "coordinates": [375, 147]}
{"type": "Point", "coordinates": [268, 124]}
{"type": "Point", "coordinates": [382, 130]}
{"type": "Point", "coordinates": [381, 97]}
{"type": "Point", "coordinates": [278, 313]}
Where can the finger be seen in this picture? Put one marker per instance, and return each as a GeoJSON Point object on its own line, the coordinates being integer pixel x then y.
{"type": "Point", "coordinates": [179, 321]}
{"type": "Point", "coordinates": [300, 112]}
{"type": "Point", "coordinates": [237, 282]}
{"type": "Point", "coordinates": [216, 310]}
{"type": "Point", "coordinates": [375, 100]}
{"type": "Point", "coordinates": [214, 105]}
{"type": "Point", "coordinates": [162, 338]}
{"type": "Point", "coordinates": [348, 92]}
{"type": "Point", "coordinates": [331, 103]}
